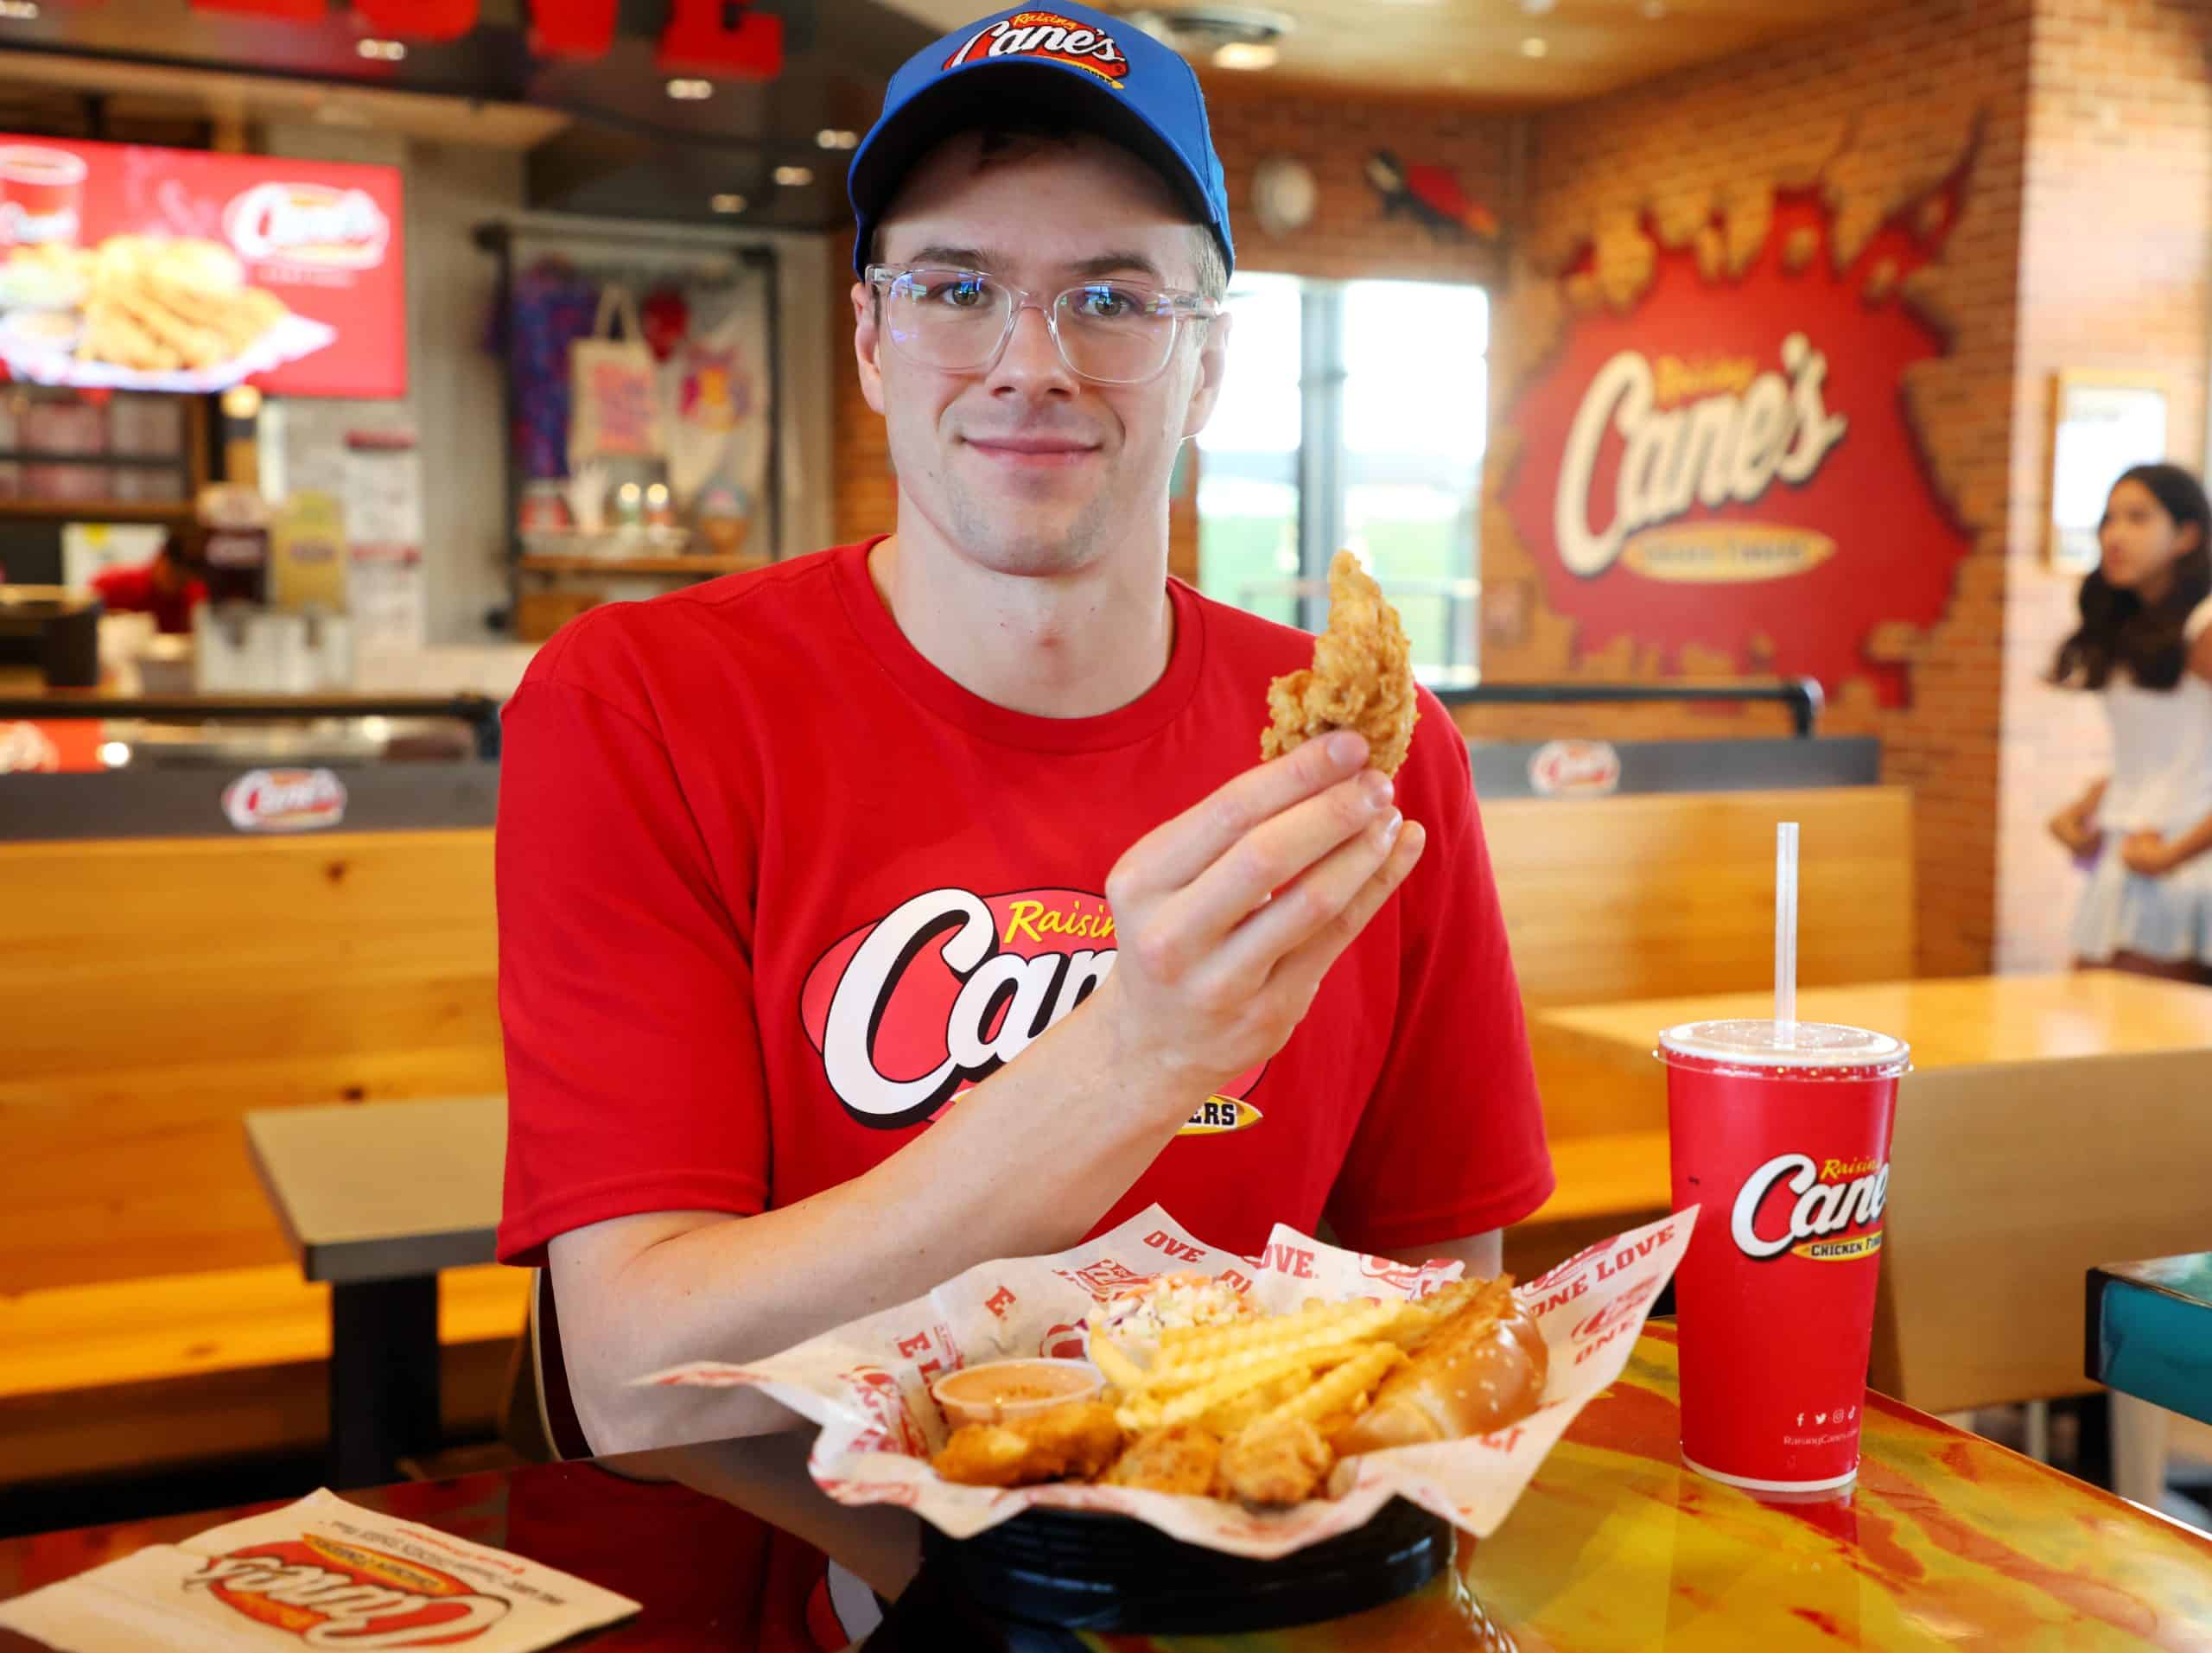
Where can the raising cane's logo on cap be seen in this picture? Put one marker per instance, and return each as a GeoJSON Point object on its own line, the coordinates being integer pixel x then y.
{"type": "Point", "coordinates": [949, 986]}
{"type": "Point", "coordinates": [1835, 1217]}
{"type": "Point", "coordinates": [334, 1594]}
{"type": "Point", "coordinates": [1047, 35]}
{"type": "Point", "coordinates": [308, 223]}
{"type": "Point", "coordinates": [285, 800]}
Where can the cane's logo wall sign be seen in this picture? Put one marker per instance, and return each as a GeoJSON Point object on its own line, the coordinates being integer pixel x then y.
{"type": "Point", "coordinates": [1729, 456]}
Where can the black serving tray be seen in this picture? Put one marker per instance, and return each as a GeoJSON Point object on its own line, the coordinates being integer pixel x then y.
{"type": "Point", "coordinates": [1075, 1569]}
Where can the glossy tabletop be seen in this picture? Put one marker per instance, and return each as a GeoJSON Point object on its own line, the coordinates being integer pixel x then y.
{"type": "Point", "coordinates": [2149, 1332]}
{"type": "Point", "coordinates": [1949, 1542]}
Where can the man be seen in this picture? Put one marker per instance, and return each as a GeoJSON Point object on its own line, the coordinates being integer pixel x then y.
{"type": "Point", "coordinates": [923, 901]}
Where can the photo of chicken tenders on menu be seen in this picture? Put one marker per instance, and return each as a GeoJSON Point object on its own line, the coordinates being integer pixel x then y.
{"type": "Point", "coordinates": [140, 304]}
{"type": "Point", "coordinates": [1207, 1396]}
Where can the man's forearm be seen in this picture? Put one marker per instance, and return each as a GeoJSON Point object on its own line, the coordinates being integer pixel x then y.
{"type": "Point", "coordinates": [1025, 1163]}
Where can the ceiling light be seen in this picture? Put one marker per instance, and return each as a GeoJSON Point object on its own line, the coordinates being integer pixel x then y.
{"type": "Point", "coordinates": [690, 91]}
{"type": "Point", "coordinates": [794, 177]}
{"type": "Point", "coordinates": [241, 402]}
{"type": "Point", "coordinates": [728, 203]}
{"type": "Point", "coordinates": [1535, 46]}
{"type": "Point", "coordinates": [1655, 10]}
{"type": "Point", "coordinates": [22, 11]}
{"type": "Point", "coordinates": [836, 138]}
{"type": "Point", "coordinates": [1537, 8]}
{"type": "Point", "coordinates": [388, 51]}
{"type": "Point", "coordinates": [1243, 54]}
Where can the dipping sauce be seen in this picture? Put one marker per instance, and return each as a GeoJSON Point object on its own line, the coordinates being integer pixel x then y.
{"type": "Point", "coordinates": [999, 1389]}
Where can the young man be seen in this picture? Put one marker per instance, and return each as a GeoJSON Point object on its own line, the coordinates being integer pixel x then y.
{"type": "Point", "coordinates": [924, 901]}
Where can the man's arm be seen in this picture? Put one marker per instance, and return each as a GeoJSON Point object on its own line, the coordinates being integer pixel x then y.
{"type": "Point", "coordinates": [1227, 918]}
{"type": "Point", "coordinates": [1484, 1254]}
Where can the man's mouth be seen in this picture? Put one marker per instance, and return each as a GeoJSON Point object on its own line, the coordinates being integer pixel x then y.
{"type": "Point", "coordinates": [1032, 451]}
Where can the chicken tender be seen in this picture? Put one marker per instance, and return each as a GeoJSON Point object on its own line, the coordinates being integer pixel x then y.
{"type": "Point", "coordinates": [1362, 677]}
{"type": "Point", "coordinates": [1181, 1458]}
{"type": "Point", "coordinates": [1071, 1442]}
{"type": "Point", "coordinates": [1275, 1461]}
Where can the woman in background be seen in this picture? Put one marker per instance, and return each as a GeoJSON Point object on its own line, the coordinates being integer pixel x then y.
{"type": "Point", "coordinates": [2145, 644]}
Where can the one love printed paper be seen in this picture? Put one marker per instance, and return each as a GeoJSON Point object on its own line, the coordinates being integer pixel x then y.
{"type": "Point", "coordinates": [318, 1574]}
{"type": "Point", "coordinates": [867, 1383]}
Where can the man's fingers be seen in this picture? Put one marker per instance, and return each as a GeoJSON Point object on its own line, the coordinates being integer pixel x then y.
{"type": "Point", "coordinates": [1306, 964]}
{"type": "Point", "coordinates": [1173, 854]}
{"type": "Point", "coordinates": [1309, 906]}
{"type": "Point", "coordinates": [1274, 856]}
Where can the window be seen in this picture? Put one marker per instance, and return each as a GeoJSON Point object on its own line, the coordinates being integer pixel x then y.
{"type": "Point", "coordinates": [1353, 415]}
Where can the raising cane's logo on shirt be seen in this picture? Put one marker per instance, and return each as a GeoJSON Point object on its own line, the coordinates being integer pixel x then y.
{"type": "Point", "coordinates": [334, 1594]}
{"type": "Point", "coordinates": [1047, 35]}
{"type": "Point", "coordinates": [949, 986]}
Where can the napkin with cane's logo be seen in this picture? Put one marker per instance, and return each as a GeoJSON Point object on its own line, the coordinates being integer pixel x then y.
{"type": "Point", "coordinates": [318, 1574]}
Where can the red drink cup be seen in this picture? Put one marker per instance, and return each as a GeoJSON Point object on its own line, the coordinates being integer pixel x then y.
{"type": "Point", "coordinates": [1781, 1134]}
{"type": "Point", "coordinates": [42, 191]}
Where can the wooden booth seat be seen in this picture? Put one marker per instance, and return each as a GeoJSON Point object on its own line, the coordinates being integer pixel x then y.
{"type": "Point", "coordinates": [142, 1374]}
{"type": "Point", "coordinates": [157, 990]}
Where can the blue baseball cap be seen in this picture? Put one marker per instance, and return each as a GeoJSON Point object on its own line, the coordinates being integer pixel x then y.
{"type": "Point", "coordinates": [1066, 64]}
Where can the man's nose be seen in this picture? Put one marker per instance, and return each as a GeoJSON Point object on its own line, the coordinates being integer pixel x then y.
{"type": "Point", "coordinates": [1031, 365]}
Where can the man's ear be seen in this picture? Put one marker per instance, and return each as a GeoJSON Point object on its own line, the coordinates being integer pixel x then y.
{"type": "Point", "coordinates": [1213, 360]}
{"type": "Point", "coordinates": [867, 340]}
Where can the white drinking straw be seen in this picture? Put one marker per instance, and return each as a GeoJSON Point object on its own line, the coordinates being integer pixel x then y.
{"type": "Point", "coordinates": [1785, 932]}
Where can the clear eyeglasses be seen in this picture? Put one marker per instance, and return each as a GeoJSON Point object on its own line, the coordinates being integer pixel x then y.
{"type": "Point", "coordinates": [1111, 331]}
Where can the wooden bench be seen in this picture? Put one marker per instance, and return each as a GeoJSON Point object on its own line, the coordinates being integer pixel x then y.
{"type": "Point", "coordinates": [139, 1374]}
{"type": "Point", "coordinates": [157, 990]}
{"type": "Point", "coordinates": [1666, 894]}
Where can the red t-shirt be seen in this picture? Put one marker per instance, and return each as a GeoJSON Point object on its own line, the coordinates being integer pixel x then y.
{"type": "Point", "coordinates": [772, 890]}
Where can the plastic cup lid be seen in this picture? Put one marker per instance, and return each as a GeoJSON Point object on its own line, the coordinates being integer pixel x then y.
{"type": "Point", "coordinates": [1770, 1044]}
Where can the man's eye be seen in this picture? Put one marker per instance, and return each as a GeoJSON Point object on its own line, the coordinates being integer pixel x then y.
{"type": "Point", "coordinates": [960, 294]}
{"type": "Point", "coordinates": [1106, 303]}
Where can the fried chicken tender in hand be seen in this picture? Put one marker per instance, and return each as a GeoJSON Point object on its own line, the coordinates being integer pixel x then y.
{"type": "Point", "coordinates": [1071, 1442]}
{"type": "Point", "coordinates": [1362, 677]}
{"type": "Point", "coordinates": [1181, 1458]}
{"type": "Point", "coordinates": [1275, 1461]}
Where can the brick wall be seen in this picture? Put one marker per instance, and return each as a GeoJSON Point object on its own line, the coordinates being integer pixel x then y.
{"type": "Point", "coordinates": [2116, 273]}
{"type": "Point", "coordinates": [1874, 114]}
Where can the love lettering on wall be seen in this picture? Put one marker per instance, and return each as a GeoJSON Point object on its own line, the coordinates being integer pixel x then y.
{"type": "Point", "coordinates": [1719, 459]}
{"type": "Point", "coordinates": [724, 38]}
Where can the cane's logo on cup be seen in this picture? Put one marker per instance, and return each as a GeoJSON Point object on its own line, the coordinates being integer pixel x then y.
{"type": "Point", "coordinates": [1832, 1197]}
{"type": "Point", "coordinates": [285, 800]}
{"type": "Point", "coordinates": [949, 986]}
{"type": "Point", "coordinates": [308, 223]}
{"type": "Point", "coordinates": [334, 1594]}
{"type": "Point", "coordinates": [1047, 35]}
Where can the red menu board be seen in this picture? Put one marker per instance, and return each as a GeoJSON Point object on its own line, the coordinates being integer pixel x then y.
{"type": "Point", "coordinates": [184, 269]}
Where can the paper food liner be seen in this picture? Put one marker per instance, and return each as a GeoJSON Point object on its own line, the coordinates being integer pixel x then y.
{"type": "Point", "coordinates": [867, 1383]}
{"type": "Point", "coordinates": [320, 1573]}
{"type": "Point", "coordinates": [42, 362]}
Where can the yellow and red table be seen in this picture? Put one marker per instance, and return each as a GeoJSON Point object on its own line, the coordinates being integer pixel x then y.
{"type": "Point", "coordinates": [1950, 1540]}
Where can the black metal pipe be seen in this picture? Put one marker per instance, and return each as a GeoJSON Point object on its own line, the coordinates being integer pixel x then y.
{"type": "Point", "coordinates": [479, 712]}
{"type": "Point", "coordinates": [1801, 696]}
